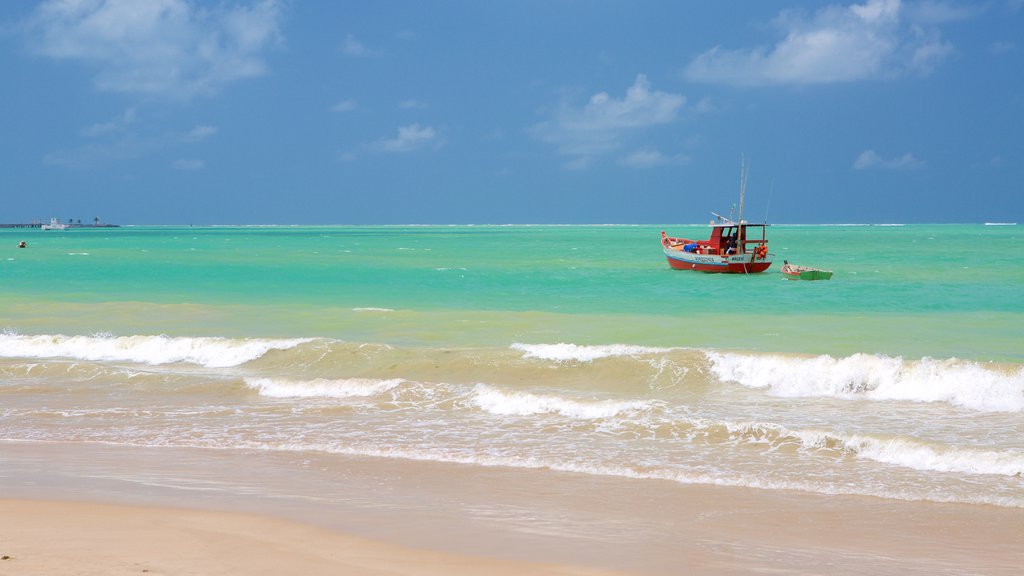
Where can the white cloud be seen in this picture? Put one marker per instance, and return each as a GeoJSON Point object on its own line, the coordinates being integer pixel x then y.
{"type": "Point", "coordinates": [200, 133]}
{"type": "Point", "coordinates": [600, 126]}
{"type": "Point", "coordinates": [355, 48]}
{"type": "Point", "coordinates": [869, 159]}
{"type": "Point", "coordinates": [411, 137]}
{"type": "Point", "coordinates": [648, 158]}
{"type": "Point", "coordinates": [345, 106]}
{"type": "Point", "coordinates": [188, 165]}
{"type": "Point", "coordinates": [412, 105]}
{"type": "Point", "coordinates": [877, 39]}
{"type": "Point", "coordinates": [166, 48]}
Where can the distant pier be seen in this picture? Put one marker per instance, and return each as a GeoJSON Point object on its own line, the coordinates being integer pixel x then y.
{"type": "Point", "coordinates": [66, 225]}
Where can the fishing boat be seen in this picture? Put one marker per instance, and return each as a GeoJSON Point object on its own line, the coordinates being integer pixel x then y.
{"type": "Point", "coordinates": [794, 272]}
{"type": "Point", "coordinates": [733, 247]}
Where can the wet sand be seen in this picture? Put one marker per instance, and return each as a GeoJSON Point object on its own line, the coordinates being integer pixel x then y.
{"type": "Point", "coordinates": [91, 509]}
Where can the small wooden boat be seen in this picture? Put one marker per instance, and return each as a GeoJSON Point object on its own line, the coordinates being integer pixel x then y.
{"type": "Point", "coordinates": [794, 272]}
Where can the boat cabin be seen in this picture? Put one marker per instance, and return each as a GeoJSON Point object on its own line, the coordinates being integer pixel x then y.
{"type": "Point", "coordinates": [732, 238]}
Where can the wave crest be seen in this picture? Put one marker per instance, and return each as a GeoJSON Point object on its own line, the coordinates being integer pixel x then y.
{"type": "Point", "coordinates": [321, 388]}
{"type": "Point", "coordinates": [564, 352]}
{"type": "Point", "coordinates": [877, 377]}
{"type": "Point", "coordinates": [501, 403]}
{"type": "Point", "coordinates": [211, 352]}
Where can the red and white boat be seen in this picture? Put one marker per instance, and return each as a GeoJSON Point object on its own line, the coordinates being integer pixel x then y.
{"type": "Point", "coordinates": [733, 248]}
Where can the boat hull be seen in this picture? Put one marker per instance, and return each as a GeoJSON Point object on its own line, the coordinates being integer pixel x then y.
{"type": "Point", "coordinates": [720, 264]}
{"type": "Point", "coordinates": [809, 275]}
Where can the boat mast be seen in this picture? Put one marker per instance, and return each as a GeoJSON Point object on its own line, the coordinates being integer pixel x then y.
{"type": "Point", "coordinates": [744, 170]}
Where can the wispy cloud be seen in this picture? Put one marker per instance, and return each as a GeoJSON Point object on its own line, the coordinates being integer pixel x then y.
{"type": "Point", "coordinates": [200, 133]}
{"type": "Point", "coordinates": [648, 158]}
{"type": "Point", "coordinates": [119, 124]}
{"type": "Point", "coordinates": [875, 40]}
{"type": "Point", "coordinates": [1002, 47]}
{"type": "Point", "coordinates": [941, 11]}
{"type": "Point", "coordinates": [869, 159]}
{"type": "Point", "coordinates": [345, 106]}
{"type": "Point", "coordinates": [168, 48]}
{"type": "Point", "coordinates": [188, 165]}
{"type": "Point", "coordinates": [411, 137]}
{"type": "Point", "coordinates": [412, 105]}
{"type": "Point", "coordinates": [356, 49]}
{"type": "Point", "coordinates": [600, 126]}
{"type": "Point", "coordinates": [126, 146]}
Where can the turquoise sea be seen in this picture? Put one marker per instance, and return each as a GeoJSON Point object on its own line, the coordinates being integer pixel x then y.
{"type": "Point", "coordinates": [914, 291]}
{"type": "Point", "coordinates": [538, 348]}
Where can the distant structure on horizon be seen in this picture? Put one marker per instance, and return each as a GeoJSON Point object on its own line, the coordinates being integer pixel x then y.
{"type": "Point", "coordinates": [56, 224]}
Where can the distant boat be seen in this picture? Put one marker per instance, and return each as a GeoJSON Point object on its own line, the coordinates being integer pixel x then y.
{"type": "Point", "coordinates": [794, 272]}
{"type": "Point", "coordinates": [730, 249]}
{"type": "Point", "coordinates": [54, 225]}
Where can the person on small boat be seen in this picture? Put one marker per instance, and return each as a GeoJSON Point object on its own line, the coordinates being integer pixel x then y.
{"type": "Point", "coordinates": [22, 244]}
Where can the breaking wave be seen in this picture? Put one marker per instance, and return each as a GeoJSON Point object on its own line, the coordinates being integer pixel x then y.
{"type": "Point", "coordinates": [971, 385]}
{"type": "Point", "coordinates": [494, 401]}
{"type": "Point", "coordinates": [321, 388]}
{"type": "Point", "coordinates": [211, 352]}
{"type": "Point", "coordinates": [564, 352]}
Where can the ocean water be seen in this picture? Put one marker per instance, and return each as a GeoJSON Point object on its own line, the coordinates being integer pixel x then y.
{"type": "Point", "coordinates": [547, 348]}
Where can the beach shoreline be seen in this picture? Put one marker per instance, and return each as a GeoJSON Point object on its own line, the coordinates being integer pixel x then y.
{"type": "Point", "coordinates": [415, 518]}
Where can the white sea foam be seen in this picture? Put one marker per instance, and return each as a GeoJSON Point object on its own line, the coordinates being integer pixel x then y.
{"type": "Point", "coordinates": [372, 309]}
{"type": "Point", "coordinates": [321, 388]}
{"type": "Point", "coordinates": [628, 471]}
{"type": "Point", "coordinates": [912, 454]}
{"type": "Point", "coordinates": [877, 377]}
{"type": "Point", "coordinates": [564, 352]}
{"type": "Point", "coordinates": [495, 401]}
{"type": "Point", "coordinates": [209, 352]}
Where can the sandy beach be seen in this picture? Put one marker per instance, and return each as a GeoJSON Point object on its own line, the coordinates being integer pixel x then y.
{"type": "Point", "coordinates": [74, 511]}
{"type": "Point", "coordinates": [53, 537]}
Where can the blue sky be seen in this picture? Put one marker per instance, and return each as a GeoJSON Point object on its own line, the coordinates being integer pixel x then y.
{"type": "Point", "coordinates": [552, 111]}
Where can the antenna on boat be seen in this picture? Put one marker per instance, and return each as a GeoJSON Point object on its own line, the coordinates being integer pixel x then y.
{"type": "Point", "coordinates": [740, 231]}
{"type": "Point", "coordinates": [744, 170]}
